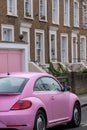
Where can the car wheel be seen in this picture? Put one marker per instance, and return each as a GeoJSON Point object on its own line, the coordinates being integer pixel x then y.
{"type": "Point", "coordinates": [76, 118]}
{"type": "Point", "coordinates": [40, 121]}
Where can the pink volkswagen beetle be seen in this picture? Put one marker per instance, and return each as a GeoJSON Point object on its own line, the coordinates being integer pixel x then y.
{"type": "Point", "coordinates": [36, 101]}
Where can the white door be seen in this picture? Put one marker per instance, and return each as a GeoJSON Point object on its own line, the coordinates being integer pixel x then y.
{"type": "Point", "coordinates": [39, 48]}
{"type": "Point", "coordinates": [74, 49]}
{"type": "Point", "coordinates": [83, 49]}
{"type": "Point", "coordinates": [64, 49]}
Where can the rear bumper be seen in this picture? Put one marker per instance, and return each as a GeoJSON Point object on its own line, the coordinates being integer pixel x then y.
{"type": "Point", "coordinates": [15, 128]}
{"type": "Point", "coordinates": [19, 120]}
{"type": "Point", "coordinates": [2, 125]}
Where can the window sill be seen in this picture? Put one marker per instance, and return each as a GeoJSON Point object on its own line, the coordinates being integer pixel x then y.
{"type": "Point", "coordinates": [41, 20]}
{"type": "Point", "coordinates": [28, 17]}
{"type": "Point", "coordinates": [12, 15]}
{"type": "Point", "coordinates": [76, 26]}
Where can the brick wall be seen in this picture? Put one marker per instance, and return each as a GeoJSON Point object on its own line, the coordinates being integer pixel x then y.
{"type": "Point", "coordinates": [36, 24]}
{"type": "Point", "coordinates": [77, 82]}
{"type": "Point", "coordinates": [80, 83]}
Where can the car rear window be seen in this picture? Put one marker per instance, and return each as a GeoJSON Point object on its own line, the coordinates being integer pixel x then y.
{"type": "Point", "coordinates": [12, 84]}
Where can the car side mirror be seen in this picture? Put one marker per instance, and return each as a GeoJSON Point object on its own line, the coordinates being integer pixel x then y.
{"type": "Point", "coordinates": [66, 88]}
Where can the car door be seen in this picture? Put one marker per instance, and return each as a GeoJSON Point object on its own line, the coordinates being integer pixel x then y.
{"type": "Point", "coordinates": [59, 100]}
{"type": "Point", "coordinates": [42, 92]}
{"type": "Point", "coordinates": [60, 106]}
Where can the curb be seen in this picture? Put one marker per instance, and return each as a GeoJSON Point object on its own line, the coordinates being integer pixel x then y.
{"type": "Point", "coordinates": [84, 105]}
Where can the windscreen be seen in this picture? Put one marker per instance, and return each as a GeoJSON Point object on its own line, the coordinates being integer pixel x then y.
{"type": "Point", "coordinates": [12, 84]}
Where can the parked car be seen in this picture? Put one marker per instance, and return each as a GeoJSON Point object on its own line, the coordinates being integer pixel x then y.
{"type": "Point", "coordinates": [36, 101]}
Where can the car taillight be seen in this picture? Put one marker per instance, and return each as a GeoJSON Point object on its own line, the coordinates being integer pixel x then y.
{"type": "Point", "coordinates": [22, 104]}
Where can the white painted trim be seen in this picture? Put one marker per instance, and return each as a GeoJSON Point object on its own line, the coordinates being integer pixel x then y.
{"type": "Point", "coordinates": [17, 46]}
{"type": "Point", "coordinates": [26, 25]}
{"type": "Point", "coordinates": [76, 23]}
{"type": "Point", "coordinates": [45, 11]}
{"type": "Point", "coordinates": [82, 36]}
{"type": "Point", "coordinates": [64, 35]}
{"type": "Point", "coordinates": [57, 15]}
{"type": "Point", "coordinates": [7, 27]}
{"type": "Point", "coordinates": [15, 11]}
{"type": "Point", "coordinates": [31, 10]}
{"type": "Point", "coordinates": [74, 35]}
{"type": "Point", "coordinates": [54, 33]}
{"type": "Point", "coordinates": [53, 28]}
{"type": "Point", "coordinates": [43, 41]}
{"type": "Point", "coordinates": [26, 28]}
{"type": "Point", "coordinates": [68, 23]}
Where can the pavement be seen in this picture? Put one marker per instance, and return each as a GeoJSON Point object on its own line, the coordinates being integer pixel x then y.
{"type": "Point", "coordinates": [83, 100]}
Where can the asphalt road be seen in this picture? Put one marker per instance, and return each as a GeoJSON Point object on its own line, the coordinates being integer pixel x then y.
{"type": "Point", "coordinates": [83, 125]}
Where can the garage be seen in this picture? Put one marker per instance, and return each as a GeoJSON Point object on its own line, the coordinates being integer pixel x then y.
{"type": "Point", "coordinates": [10, 61]}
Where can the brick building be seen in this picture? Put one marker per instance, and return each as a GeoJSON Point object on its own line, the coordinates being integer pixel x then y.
{"type": "Point", "coordinates": [41, 31]}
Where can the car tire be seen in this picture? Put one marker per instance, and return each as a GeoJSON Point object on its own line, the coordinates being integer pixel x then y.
{"type": "Point", "coordinates": [76, 117]}
{"type": "Point", "coordinates": [40, 121]}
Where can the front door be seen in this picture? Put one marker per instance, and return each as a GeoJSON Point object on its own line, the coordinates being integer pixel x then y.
{"type": "Point", "coordinates": [74, 49]}
{"type": "Point", "coordinates": [64, 49]}
{"type": "Point", "coordinates": [39, 48]}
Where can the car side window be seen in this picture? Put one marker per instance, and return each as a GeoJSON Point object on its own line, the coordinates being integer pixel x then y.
{"type": "Point", "coordinates": [39, 86]}
{"type": "Point", "coordinates": [47, 84]}
{"type": "Point", "coordinates": [51, 84]}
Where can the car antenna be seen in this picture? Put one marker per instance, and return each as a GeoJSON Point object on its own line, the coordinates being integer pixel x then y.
{"type": "Point", "coordinates": [8, 73]}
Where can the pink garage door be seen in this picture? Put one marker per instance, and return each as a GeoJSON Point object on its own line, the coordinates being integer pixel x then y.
{"type": "Point", "coordinates": [10, 61]}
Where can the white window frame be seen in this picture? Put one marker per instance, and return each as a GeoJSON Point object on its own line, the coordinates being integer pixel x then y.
{"type": "Point", "coordinates": [11, 27]}
{"type": "Point", "coordinates": [13, 11]}
{"type": "Point", "coordinates": [76, 13]}
{"type": "Point", "coordinates": [56, 11]}
{"type": "Point", "coordinates": [43, 15]}
{"type": "Point", "coordinates": [51, 32]}
{"type": "Point", "coordinates": [67, 12]}
{"type": "Point", "coordinates": [26, 15]}
{"type": "Point", "coordinates": [43, 45]}
{"type": "Point", "coordinates": [84, 49]}
{"type": "Point", "coordinates": [74, 35]}
{"type": "Point", "coordinates": [84, 13]}
{"type": "Point", "coordinates": [26, 30]}
{"type": "Point", "coordinates": [25, 27]}
{"type": "Point", "coordinates": [66, 56]}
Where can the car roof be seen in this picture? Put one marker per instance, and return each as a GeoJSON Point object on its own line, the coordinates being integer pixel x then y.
{"type": "Point", "coordinates": [25, 74]}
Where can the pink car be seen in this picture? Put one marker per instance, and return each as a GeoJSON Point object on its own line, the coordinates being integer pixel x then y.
{"type": "Point", "coordinates": [36, 101]}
